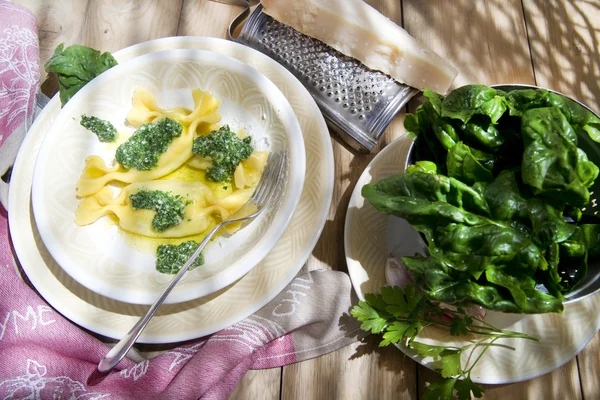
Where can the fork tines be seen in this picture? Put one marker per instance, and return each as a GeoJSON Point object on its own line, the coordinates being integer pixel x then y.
{"type": "Point", "coordinates": [269, 182]}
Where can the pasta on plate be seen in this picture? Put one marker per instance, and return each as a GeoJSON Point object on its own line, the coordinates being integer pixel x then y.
{"type": "Point", "coordinates": [175, 177]}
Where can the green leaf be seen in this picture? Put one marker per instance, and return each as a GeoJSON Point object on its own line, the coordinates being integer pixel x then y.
{"type": "Point", "coordinates": [75, 66]}
{"type": "Point", "coordinates": [369, 318]}
{"type": "Point", "coordinates": [451, 363]}
{"type": "Point", "coordinates": [427, 167]}
{"type": "Point", "coordinates": [397, 331]}
{"type": "Point", "coordinates": [376, 301]}
{"type": "Point", "coordinates": [466, 101]}
{"type": "Point", "coordinates": [394, 297]}
{"type": "Point", "coordinates": [459, 326]}
{"type": "Point", "coordinates": [552, 164]}
{"type": "Point", "coordinates": [426, 350]}
{"type": "Point", "coordinates": [469, 165]}
{"type": "Point", "coordinates": [591, 234]}
{"type": "Point", "coordinates": [440, 390]}
{"type": "Point", "coordinates": [465, 387]}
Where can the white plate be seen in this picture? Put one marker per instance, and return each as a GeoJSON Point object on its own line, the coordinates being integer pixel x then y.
{"type": "Point", "coordinates": [369, 238]}
{"type": "Point", "coordinates": [99, 256]}
{"type": "Point", "coordinates": [200, 317]}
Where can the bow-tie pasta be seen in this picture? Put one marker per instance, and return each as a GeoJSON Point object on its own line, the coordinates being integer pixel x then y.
{"type": "Point", "coordinates": [167, 142]}
{"type": "Point", "coordinates": [185, 208]}
{"type": "Point", "coordinates": [176, 177]}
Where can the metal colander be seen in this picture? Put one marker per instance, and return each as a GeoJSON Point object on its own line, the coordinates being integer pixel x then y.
{"type": "Point", "coordinates": [357, 103]}
{"type": "Point", "coordinates": [591, 212]}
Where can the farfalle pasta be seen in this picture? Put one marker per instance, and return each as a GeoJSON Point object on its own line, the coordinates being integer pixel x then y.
{"type": "Point", "coordinates": [96, 174]}
{"type": "Point", "coordinates": [176, 176]}
{"type": "Point", "coordinates": [202, 206]}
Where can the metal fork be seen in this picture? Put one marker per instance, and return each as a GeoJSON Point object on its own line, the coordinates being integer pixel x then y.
{"type": "Point", "coordinates": [266, 192]}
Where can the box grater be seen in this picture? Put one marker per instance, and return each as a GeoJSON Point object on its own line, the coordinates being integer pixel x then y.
{"type": "Point", "coordinates": [358, 103]}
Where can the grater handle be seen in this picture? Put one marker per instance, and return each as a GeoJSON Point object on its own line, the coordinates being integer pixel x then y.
{"type": "Point", "coordinates": [237, 21]}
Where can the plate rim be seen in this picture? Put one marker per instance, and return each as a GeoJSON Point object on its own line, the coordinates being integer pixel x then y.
{"type": "Point", "coordinates": [354, 278]}
{"type": "Point", "coordinates": [303, 254]}
{"type": "Point", "coordinates": [223, 278]}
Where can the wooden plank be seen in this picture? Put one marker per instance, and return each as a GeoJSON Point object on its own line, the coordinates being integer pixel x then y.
{"type": "Point", "coordinates": [358, 371]}
{"type": "Point", "coordinates": [260, 384]}
{"type": "Point", "coordinates": [485, 40]}
{"type": "Point", "coordinates": [206, 18]}
{"type": "Point", "coordinates": [565, 37]}
{"type": "Point", "coordinates": [588, 362]}
{"type": "Point", "coordinates": [562, 383]}
{"type": "Point", "coordinates": [113, 25]}
{"type": "Point", "coordinates": [58, 22]}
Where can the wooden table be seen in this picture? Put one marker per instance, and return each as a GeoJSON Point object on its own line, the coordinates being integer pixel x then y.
{"type": "Point", "coordinates": [551, 43]}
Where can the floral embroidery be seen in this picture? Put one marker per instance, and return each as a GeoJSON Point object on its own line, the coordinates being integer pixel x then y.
{"type": "Point", "coordinates": [137, 371]}
{"type": "Point", "coordinates": [35, 385]}
{"type": "Point", "coordinates": [19, 74]}
{"type": "Point", "coordinates": [183, 354]}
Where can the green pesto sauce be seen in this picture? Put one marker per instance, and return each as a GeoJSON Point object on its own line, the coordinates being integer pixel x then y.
{"type": "Point", "coordinates": [143, 149]}
{"type": "Point", "coordinates": [169, 209]}
{"type": "Point", "coordinates": [170, 258]}
{"type": "Point", "coordinates": [226, 151]}
{"type": "Point", "coordinates": [105, 131]}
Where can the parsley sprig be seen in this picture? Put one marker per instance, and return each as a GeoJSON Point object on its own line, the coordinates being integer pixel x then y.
{"type": "Point", "coordinates": [400, 315]}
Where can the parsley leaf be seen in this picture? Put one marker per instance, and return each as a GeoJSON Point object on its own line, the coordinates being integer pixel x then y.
{"type": "Point", "coordinates": [459, 326]}
{"type": "Point", "coordinates": [451, 363]}
{"type": "Point", "coordinates": [371, 321]}
{"type": "Point", "coordinates": [465, 387]}
{"type": "Point", "coordinates": [400, 315]}
{"type": "Point", "coordinates": [426, 350]}
{"type": "Point", "coordinates": [440, 390]}
{"type": "Point", "coordinates": [398, 331]}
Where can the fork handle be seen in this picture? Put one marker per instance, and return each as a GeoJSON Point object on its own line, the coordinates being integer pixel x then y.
{"type": "Point", "coordinates": [116, 354]}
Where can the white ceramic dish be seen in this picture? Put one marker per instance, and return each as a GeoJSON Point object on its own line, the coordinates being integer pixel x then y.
{"type": "Point", "coordinates": [100, 256]}
{"type": "Point", "coordinates": [203, 316]}
{"type": "Point", "coordinates": [370, 237]}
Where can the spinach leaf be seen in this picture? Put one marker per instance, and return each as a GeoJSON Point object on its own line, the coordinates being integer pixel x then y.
{"type": "Point", "coordinates": [442, 283]}
{"type": "Point", "coordinates": [482, 133]}
{"type": "Point", "coordinates": [75, 66]}
{"type": "Point", "coordinates": [430, 187]}
{"type": "Point", "coordinates": [509, 201]}
{"type": "Point", "coordinates": [591, 236]}
{"type": "Point", "coordinates": [466, 101]}
{"type": "Point", "coordinates": [552, 164]}
{"type": "Point", "coordinates": [580, 117]}
{"type": "Point", "coordinates": [469, 165]}
{"type": "Point", "coordinates": [426, 167]}
{"type": "Point", "coordinates": [523, 291]}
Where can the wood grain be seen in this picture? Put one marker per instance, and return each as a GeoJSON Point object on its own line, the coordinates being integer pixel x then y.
{"type": "Point", "coordinates": [58, 22]}
{"type": "Point", "coordinates": [565, 38]}
{"type": "Point", "coordinates": [485, 40]}
{"type": "Point", "coordinates": [261, 384]}
{"type": "Point", "coordinates": [563, 383]}
{"type": "Point", "coordinates": [588, 362]}
{"type": "Point", "coordinates": [111, 25]}
{"type": "Point", "coordinates": [359, 371]}
{"type": "Point", "coordinates": [206, 18]}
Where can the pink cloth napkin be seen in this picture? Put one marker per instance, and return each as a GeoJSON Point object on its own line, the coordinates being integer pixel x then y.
{"type": "Point", "coordinates": [44, 356]}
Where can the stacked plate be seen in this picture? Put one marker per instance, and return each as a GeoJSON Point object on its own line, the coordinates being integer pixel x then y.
{"type": "Point", "coordinates": [90, 274]}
